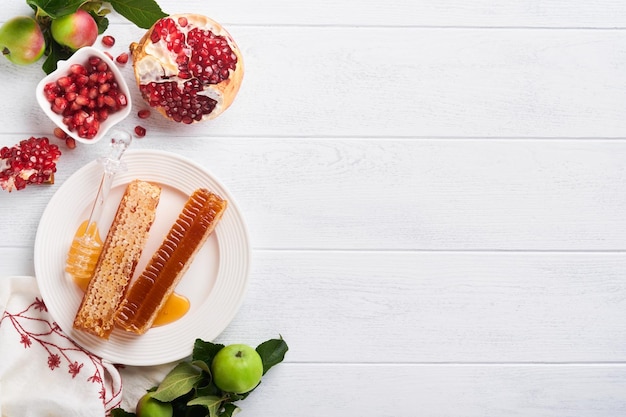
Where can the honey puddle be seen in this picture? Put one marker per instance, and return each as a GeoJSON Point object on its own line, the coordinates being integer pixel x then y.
{"type": "Point", "coordinates": [174, 308]}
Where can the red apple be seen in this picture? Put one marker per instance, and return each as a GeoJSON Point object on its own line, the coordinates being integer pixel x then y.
{"type": "Point", "coordinates": [75, 30]}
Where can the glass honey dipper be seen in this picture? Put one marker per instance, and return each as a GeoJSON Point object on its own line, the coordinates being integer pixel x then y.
{"type": "Point", "coordinates": [87, 244]}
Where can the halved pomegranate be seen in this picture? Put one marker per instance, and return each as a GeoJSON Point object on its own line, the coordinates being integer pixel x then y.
{"type": "Point", "coordinates": [32, 161]}
{"type": "Point", "coordinates": [187, 67]}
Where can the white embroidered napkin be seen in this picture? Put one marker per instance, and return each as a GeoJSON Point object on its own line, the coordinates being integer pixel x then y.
{"type": "Point", "coordinates": [42, 371]}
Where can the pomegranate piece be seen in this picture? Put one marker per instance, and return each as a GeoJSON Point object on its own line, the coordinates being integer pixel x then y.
{"type": "Point", "coordinates": [188, 68]}
{"type": "Point", "coordinates": [60, 133]}
{"type": "Point", "coordinates": [70, 142]}
{"type": "Point", "coordinates": [140, 131]}
{"type": "Point", "coordinates": [122, 58]}
{"type": "Point", "coordinates": [108, 41]}
{"type": "Point", "coordinates": [85, 97]}
{"type": "Point", "coordinates": [143, 114]}
{"type": "Point", "coordinates": [32, 161]}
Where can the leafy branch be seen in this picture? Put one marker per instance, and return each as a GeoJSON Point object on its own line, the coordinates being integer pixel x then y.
{"type": "Point", "coordinates": [142, 13]}
{"type": "Point", "coordinates": [190, 389]}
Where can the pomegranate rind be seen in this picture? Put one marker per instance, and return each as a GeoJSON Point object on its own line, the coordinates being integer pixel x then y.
{"type": "Point", "coordinates": [151, 62]}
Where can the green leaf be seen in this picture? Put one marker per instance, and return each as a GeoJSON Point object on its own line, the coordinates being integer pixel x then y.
{"type": "Point", "coordinates": [232, 397]}
{"type": "Point", "coordinates": [272, 352]}
{"type": "Point", "coordinates": [211, 402]}
{"type": "Point", "coordinates": [142, 13]}
{"type": "Point", "coordinates": [205, 351]}
{"type": "Point", "coordinates": [55, 53]}
{"type": "Point", "coordinates": [102, 22]}
{"type": "Point", "coordinates": [55, 8]}
{"type": "Point", "coordinates": [207, 389]}
{"type": "Point", "coordinates": [230, 410]}
{"type": "Point", "coordinates": [119, 412]}
{"type": "Point", "coordinates": [179, 381]}
{"type": "Point", "coordinates": [202, 365]}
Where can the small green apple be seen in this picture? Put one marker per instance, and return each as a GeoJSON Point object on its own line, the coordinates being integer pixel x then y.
{"type": "Point", "coordinates": [237, 368]}
{"type": "Point", "coordinates": [21, 40]}
{"type": "Point", "coordinates": [150, 407]}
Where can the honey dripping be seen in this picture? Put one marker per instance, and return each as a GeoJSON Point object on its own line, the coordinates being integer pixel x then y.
{"type": "Point", "coordinates": [86, 246]}
{"type": "Point", "coordinates": [82, 259]}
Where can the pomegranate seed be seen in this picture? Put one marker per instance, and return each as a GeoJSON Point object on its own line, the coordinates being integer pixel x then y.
{"type": "Point", "coordinates": [122, 58]}
{"type": "Point", "coordinates": [64, 82]}
{"type": "Point", "coordinates": [143, 114]}
{"type": "Point", "coordinates": [81, 101]}
{"type": "Point", "coordinates": [108, 41]}
{"type": "Point", "coordinates": [78, 69]}
{"type": "Point", "coordinates": [60, 133]}
{"type": "Point", "coordinates": [121, 100]}
{"type": "Point", "coordinates": [81, 80]}
{"type": "Point", "coordinates": [109, 101]}
{"type": "Point", "coordinates": [109, 55]}
{"type": "Point", "coordinates": [140, 131]}
{"type": "Point", "coordinates": [70, 142]}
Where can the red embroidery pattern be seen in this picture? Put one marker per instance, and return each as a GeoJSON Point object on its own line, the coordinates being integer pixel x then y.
{"type": "Point", "coordinates": [57, 354]}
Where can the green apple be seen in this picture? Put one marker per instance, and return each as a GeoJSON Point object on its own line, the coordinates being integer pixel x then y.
{"type": "Point", "coordinates": [237, 368]}
{"type": "Point", "coordinates": [21, 40]}
{"type": "Point", "coordinates": [150, 407]}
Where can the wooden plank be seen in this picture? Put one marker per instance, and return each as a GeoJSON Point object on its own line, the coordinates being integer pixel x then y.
{"type": "Point", "coordinates": [486, 13]}
{"type": "Point", "coordinates": [430, 195]}
{"type": "Point", "coordinates": [427, 83]}
{"type": "Point", "coordinates": [436, 307]}
{"type": "Point", "coordinates": [404, 390]}
{"type": "Point", "coordinates": [446, 13]}
{"type": "Point", "coordinates": [15, 261]}
{"type": "Point", "coordinates": [395, 194]}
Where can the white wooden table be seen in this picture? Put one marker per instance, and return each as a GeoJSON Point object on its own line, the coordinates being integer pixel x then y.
{"type": "Point", "coordinates": [435, 197]}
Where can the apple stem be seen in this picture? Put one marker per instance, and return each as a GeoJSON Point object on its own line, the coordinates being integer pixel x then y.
{"type": "Point", "coordinates": [239, 354]}
{"type": "Point", "coordinates": [6, 51]}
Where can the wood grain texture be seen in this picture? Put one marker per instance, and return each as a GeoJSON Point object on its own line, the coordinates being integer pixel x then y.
{"type": "Point", "coordinates": [440, 391]}
{"type": "Point", "coordinates": [375, 194]}
{"type": "Point", "coordinates": [402, 13]}
{"type": "Point", "coordinates": [437, 307]}
{"type": "Point", "coordinates": [435, 197]}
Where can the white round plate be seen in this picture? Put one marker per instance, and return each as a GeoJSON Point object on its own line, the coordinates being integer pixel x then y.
{"type": "Point", "coordinates": [215, 282]}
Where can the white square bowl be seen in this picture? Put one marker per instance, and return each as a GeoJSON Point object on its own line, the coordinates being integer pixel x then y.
{"type": "Point", "coordinates": [63, 68]}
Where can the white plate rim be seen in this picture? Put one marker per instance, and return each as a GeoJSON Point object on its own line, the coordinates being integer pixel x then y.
{"type": "Point", "coordinates": [162, 344]}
